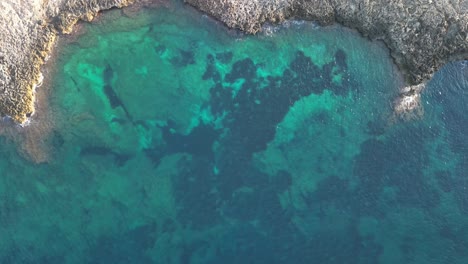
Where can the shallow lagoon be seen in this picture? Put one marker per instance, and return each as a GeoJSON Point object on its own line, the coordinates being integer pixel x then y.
{"type": "Point", "coordinates": [178, 141]}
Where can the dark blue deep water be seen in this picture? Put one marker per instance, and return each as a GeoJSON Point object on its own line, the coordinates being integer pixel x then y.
{"type": "Point", "coordinates": [170, 139]}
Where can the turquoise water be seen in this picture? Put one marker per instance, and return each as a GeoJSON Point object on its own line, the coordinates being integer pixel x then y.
{"type": "Point", "coordinates": [178, 141]}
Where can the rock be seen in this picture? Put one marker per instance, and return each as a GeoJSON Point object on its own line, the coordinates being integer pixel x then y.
{"type": "Point", "coordinates": [28, 30]}
{"type": "Point", "coordinates": [422, 35]}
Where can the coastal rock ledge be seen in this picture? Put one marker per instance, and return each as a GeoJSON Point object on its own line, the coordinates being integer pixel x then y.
{"type": "Point", "coordinates": [422, 35]}
{"type": "Point", "coordinates": [28, 30]}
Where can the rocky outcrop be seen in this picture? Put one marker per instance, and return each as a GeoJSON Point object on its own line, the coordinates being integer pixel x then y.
{"type": "Point", "coordinates": [27, 32]}
{"type": "Point", "coordinates": [422, 35]}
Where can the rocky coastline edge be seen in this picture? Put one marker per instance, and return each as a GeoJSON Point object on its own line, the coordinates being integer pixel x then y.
{"type": "Point", "coordinates": [422, 35]}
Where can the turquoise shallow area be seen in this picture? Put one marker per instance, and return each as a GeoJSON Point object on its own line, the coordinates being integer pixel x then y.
{"type": "Point", "coordinates": [179, 141]}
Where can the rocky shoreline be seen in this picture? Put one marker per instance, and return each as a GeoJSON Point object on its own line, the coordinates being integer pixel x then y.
{"type": "Point", "coordinates": [422, 35]}
{"type": "Point", "coordinates": [28, 30]}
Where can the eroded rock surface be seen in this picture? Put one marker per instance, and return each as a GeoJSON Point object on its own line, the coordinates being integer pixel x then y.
{"type": "Point", "coordinates": [28, 29]}
{"type": "Point", "coordinates": [422, 34]}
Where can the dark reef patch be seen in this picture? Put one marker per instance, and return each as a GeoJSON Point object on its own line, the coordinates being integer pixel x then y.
{"type": "Point", "coordinates": [211, 72]}
{"type": "Point", "coordinates": [185, 58]}
{"type": "Point", "coordinates": [224, 183]}
{"type": "Point", "coordinates": [198, 142]}
{"type": "Point", "coordinates": [126, 247]}
{"type": "Point", "coordinates": [119, 159]}
{"type": "Point", "coordinates": [113, 98]}
{"type": "Point", "coordinates": [380, 164]}
{"type": "Point", "coordinates": [227, 186]}
{"type": "Point", "coordinates": [378, 167]}
{"type": "Point", "coordinates": [196, 194]}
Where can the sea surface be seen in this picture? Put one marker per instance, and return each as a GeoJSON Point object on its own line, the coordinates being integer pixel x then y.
{"type": "Point", "coordinates": [177, 140]}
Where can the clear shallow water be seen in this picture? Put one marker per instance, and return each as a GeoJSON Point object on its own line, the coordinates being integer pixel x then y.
{"type": "Point", "coordinates": [181, 142]}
